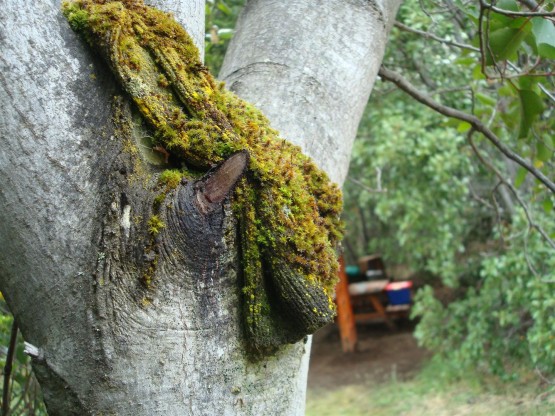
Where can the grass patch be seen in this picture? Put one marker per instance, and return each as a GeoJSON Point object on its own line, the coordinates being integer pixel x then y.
{"type": "Point", "coordinates": [437, 390]}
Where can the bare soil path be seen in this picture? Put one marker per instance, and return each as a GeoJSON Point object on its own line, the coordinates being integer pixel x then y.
{"type": "Point", "coordinates": [382, 355]}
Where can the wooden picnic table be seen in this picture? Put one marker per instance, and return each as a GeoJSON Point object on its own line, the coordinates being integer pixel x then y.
{"type": "Point", "coordinates": [360, 294]}
{"type": "Point", "coordinates": [370, 293]}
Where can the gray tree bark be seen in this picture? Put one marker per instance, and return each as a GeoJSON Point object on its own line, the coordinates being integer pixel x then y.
{"type": "Point", "coordinates": [311, 67]}
{"type": "Point", "coordinates": [74, 205]}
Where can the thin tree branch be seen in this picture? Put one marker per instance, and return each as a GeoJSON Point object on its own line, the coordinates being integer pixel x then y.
{"type": "Point", "coordinates": [423, 98]}
{"type": "Point", "coordinates": [422, 72]}
{"type": "Point", "coordinates": [516, 14]}
{"type": "Point", "coordinates": [215, 186]}
{"type": "Point", "coordinates": [347, 244]}
{"type": "Point", "coordinates": [490, 166]}
{"type": "Point", "coordinates": [543, 377]}
{"type": "Point", "coordinates": [365, 233]}
{"type": "Point", "coordinates": [546, 92]}
{"type": "Point", "coordinates": [429, 35]}
{"type": "Point", "coordinates": [479, 199]}
{"type": "Point", "coordinates": [367, 188]}
{"type": "Point", "coordinates": [497, 209]}
{"type": "Point", "coordinates": [8, 370]}
{"type": "Point", "coordinates": [541, 86]}
{"type": "Point", "coordinates": [458, 16]}
{"type": "Point", "coordinates": [442, 91]}
{"type": "Point", "coordinates": [484, 40]}
{"type": "Point", "coordinates": [532, 5]}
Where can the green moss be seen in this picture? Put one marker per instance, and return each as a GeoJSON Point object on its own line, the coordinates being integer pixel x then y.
{"type": "Point", "coordinates": [160, 198]}
{"type": "Point", "coordinates": [287, 209]}
{"type": "Point", "coordinates": [170, 178]}
{"type": "Point", "coordinates": [163, 81]}
{"type": "Point", "coordinates": [155, 225]}
{"type": "Point", "coordinates": [149, 272]}
{"type": "Point", "coordinates": [146, 302]}
{"type": "Point", "coordinates": [77, 17]}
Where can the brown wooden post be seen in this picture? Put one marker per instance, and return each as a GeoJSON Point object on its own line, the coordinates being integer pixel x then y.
{"type": "Point", "coordinates": [345, 315]}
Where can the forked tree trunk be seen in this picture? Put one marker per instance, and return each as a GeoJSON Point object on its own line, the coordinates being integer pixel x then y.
{"type": "Point", "coordinates": [77, 191]}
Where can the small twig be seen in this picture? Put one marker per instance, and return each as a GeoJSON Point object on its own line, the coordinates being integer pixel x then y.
{"type": "Point", "coordinates": [366, 187]}
{"type": "Point", "coordinates": [546, 92]}
{"type": "Point", "coordinates": [493, 114]}
{"type": "Point", "coordinates": [442, 91]}
{"type": "Point", "coordinates": [32, 351]}
{"type": "Point", "coordinates": [531, 4]}
{"type": "Point", "coordinates": [422, 72]}
{"type": "Point", "coordinates": [379, 178]}
{"type": "Point", "coordinates": [498, 211]}
{"type": "Point", "coordinates": [487, 44]}
{"type": "Point", "coordinates": [425, 11]}
{"type": "Point", "coordinates": [474, 121]}
{"type": "Point", "coordinates": [215, 186]}
{"type": "Point", "coordinates": [8, 370]}
{"type": "Point", "coordinates": [523, 74]}
{"type": "Point", "coordinates": [28, 400]}
{"type": "Point", "coordinates": [543, 377]}
{"type": "Point", "coordinates": [479, 199]}
{"type": "Point", "coordinates": [527, 253]}
{"type": "Point", "coordinates": [516, 14]}
{"type": "Point", "coordinates": [505, 182]}
{"type": "Point", "coordinates": [481, 40]}
{"type": "Point", "coordinates": [429, 35]}
{"type": "Point", "coordinates": [541, 86]}
{"type": "Point", "coordinates": [458, 16]}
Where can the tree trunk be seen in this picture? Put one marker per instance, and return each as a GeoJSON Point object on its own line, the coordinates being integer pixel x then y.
{"type": "Point", "coordinates": [76, 198]}
{"type": "Point", "coordinates": [311, 69]}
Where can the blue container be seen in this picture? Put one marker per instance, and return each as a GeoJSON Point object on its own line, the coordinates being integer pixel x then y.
{"type": "Point", "coordinates": [398, 293]}
{"type": "Point", "coordinates": [352, 271]}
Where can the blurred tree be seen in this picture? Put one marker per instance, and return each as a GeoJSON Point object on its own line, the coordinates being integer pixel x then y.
{"type": "Point", "coordinates": [467, 182]}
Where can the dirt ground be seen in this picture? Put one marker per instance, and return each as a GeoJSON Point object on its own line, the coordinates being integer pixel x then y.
{"type": "Point", "coordinates": [383, 354]}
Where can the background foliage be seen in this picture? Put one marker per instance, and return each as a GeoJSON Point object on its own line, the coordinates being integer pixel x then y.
{"type": "Point", "coordinates": [25, 398]}
{"type": "Point", "coordinates": [434, 195]}
{"type": "Point", "coordinates": [220, 23]}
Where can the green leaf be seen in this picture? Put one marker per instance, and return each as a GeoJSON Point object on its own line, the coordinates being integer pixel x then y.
{"type": "Point", "coordinates": [506, 91]}
{"type": "Point", "coordinates": [477, 73]}
{"type": "Point", "coordinates": [20, 353]}
{"type": "Point", "coordinates": [486, 99]}
{"type": "Point", "coordinates": [529, 83]}
{"type": "Point", "coordinates": [504, 42]}
{"type": "Point", "coordinates": [531, 105]}
{"type": "Point", "coordinates": [547, 205]}
{"type": "Point", "coordinates": [224, 9]}
{"type": "Point", "coordinates": [465, 61]}
{"type": "Point", "coordinates": [463, 127]}
{"type": "Point", "coordinates": [511, 115]}
{"type": "Point", "coordinates": [510, 5]}
{"type": "Point", "coordinates": [544, 32]}
{"type": "Point", "coordinates": [498, 20]}
{"type": "Point", "coordinates": [543, 152]}
{"type": "Point", "coordinates": [520, 176]}
{"type": "Point", "coordinates": [530, 41]}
